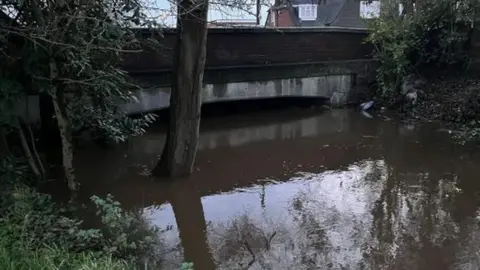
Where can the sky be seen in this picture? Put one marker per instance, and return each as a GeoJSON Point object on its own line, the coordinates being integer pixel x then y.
{"type": "Point", "coordinates": [217, 12]}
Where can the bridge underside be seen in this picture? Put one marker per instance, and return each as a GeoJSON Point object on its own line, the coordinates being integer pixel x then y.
{"type": "Point", "coordinates": [337, 82]}
{"type": "Point", "coordinates": [333, 87]}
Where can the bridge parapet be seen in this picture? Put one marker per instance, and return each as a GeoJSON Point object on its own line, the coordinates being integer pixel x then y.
{"type": "Point", "coordinates": [238, 47]}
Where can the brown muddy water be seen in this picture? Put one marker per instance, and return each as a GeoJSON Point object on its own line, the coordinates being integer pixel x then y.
{"type": "Point", "coordinates": [298, 189]}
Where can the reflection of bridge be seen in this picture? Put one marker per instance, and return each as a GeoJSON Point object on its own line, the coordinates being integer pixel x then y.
{"type": "Point", "coordinates": [237, 156]}
{"type": "Point", "coordinates": [263, 63]}
{"type": "Point", "coordinates": [329, 141]}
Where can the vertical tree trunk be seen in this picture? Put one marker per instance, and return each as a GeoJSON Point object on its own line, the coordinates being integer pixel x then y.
{"type": "Point", "coordinates": [186, 98]}
{"type": "Point", "coordinates": [27, 152]}
{"type": "Point", "coordinates": [65, 130]}
{"type": "Point", "coordinates": [408, 7]}
{"type": "Point", "coordinates": [259, 10]}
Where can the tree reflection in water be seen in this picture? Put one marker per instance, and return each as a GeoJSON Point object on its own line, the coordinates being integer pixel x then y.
{"type": "Point", "coordinates": [368, 216]}
{"type": "Point", "coordinates": [412, 227]}
{"type": "Point", "coordinates": [315, 234]}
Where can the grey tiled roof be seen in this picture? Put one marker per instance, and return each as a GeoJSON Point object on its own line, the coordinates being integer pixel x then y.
{"type": "Point", "coordinates": [329, 12]}
{"type": "Point", "coordinates": [302, 2]}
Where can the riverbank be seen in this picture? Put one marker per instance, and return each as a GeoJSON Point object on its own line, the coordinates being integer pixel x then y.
{"type": "Point", "coordinates": [455, 101]}
{"type": "Point", "coordinates": [37, 233]}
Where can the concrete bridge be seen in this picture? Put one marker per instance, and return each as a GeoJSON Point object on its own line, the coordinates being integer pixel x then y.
{"type": "Point", "coordinates": [331, 63]}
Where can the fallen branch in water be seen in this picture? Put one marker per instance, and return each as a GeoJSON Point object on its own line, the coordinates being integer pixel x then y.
{"type": "Point", "coordinates": [269, 240]}
{"type": "Point", "coordinates": [251, 252]}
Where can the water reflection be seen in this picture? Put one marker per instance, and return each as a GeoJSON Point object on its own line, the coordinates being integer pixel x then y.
{"type": "Point", "coordinates": [188, 211]}
{"type": "Point", "coordinates": [329, 191]}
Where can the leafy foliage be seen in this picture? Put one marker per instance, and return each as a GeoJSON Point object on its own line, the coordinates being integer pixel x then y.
{"type": "Point", "coordinates": [31, 222]}
{"type": "Point", "coordinates": [71, 51]}
{"type": "Point", "coordinates": [54, 258]}
{"type": "Point", "coordinates": [434, 34]}
{"type": "Point", "coordinates": [126, 234]}
{"type": "Point", "coordinates": [187, 266]}
{"type": "Point", "coordinates": [88, 49]}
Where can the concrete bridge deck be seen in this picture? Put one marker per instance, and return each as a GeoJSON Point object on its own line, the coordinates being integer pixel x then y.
{"type": "Point", "coordinates": [331, 63]}
{"type": "Point", "coordinates": [263, 63]}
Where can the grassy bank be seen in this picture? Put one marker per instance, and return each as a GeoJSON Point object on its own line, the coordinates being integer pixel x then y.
{"type": "Point", "coordinates": [55, 258]}
{"type": "Point", "coordinates": [37, 233]}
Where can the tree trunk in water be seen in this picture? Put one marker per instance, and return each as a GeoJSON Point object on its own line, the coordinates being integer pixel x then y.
{"type": "Point", "coordinates": [65, 130]}
{"type": "Point", "coordinates": [186, 98]}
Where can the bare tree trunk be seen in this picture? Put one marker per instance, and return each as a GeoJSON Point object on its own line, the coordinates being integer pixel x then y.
{"type": "Point", "coordinates": [65, 130]}
{"type": "Point", "coordinates": [259, 7]}
{"type": "Point", "coordinates": [32, 138]}
{"type": "Point", "coordinates": [186, 98]}
{"type": "Point", "coordinates": [34, 150]}
{"type": "Point", "coordinates": [407, 7]}
{"type": "Point", "coordinates": [27, 152]}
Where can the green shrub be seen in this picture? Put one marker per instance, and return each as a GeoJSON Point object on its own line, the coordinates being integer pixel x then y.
{"type": "Point", "coordinates": [125, 234]}
{"type": "Point", "coordinates": [30, 219]}
{"type": "Point", "coordinates": [37, 233]}
{"type": "Point", "coordinates": [187, 266]}
{"type": "Point", "coordinates": [434, 35]}
{"type": "Point", "coordinates": [51, 258]}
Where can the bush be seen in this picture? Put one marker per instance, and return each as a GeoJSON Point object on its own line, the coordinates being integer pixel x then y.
{"type": "Point", "coordinates": [125, 234]}
{"type": "Point", "coordinates": [51, 258]}
{"type": "Point", "coordinates": [30, 219]}
{"type": "Point", "coordinates": [434, 35]}
{"type": "Point", "coordinates": [37, 233]}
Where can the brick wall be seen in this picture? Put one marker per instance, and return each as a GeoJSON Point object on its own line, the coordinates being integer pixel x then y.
{"type": "Point", "coordinates": [283, 18]}
{"type": "Point", "coordinates": [244, 47]}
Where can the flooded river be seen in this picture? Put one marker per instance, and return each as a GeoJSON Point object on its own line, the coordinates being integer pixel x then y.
{"type": "Point", "coordinates": [299, 189]}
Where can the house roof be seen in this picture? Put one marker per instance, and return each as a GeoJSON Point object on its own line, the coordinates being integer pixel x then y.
{"type": "Point", "coordinates": [328, 11]}
{"type": "Point", "coordinates": [331, 10]}
{"type": "Point", "coordinates": [305, 2]}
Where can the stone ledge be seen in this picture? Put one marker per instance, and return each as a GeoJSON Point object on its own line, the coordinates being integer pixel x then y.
{"type": "Point", "coordinates": [263, 30]}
